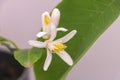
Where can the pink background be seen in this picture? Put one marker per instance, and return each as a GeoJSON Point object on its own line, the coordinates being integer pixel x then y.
{"type": "Point", "coordinates": [20, 20]}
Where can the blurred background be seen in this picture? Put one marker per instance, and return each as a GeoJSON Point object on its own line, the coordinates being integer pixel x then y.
{"type": "Point", "coordinates": [20, 20]}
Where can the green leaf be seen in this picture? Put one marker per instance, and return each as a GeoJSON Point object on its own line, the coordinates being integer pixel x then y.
{"type": "Point", "coordinates": [28, 57]}
{"type": "Point", "coordinates": [90, 18]}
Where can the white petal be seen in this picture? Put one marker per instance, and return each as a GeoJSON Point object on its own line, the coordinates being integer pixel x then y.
{"type": "Point", "coordinates": [48, 60]}
{"type": "Point", "coordinates": [55, 16]}
{"type": "Point", "coordinates": [66, 57]}
{"type": "Point", "coordinates": [46, 28]}
{"type": "Point", "coordinates": [53, 32]}
{"type": "Point", "coordinates": [62, 29]}
{"type": "Point", "coordinates": [67, 37]}
{"type": "Point", "coordinates": [40, 34]}
{"type": "Point", "coordinates": [36, 44]}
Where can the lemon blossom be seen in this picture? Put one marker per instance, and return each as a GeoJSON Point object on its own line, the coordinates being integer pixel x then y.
{"type": "Point", "coordinates": [47, 22]}
{"type": "Point", "coordinates": [55, 46]}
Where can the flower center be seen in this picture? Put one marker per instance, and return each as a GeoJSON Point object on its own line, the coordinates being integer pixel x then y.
{"type": "Point", "coordinates": [59, 47]}
{"type": "Point", "coordinates": [46, 20]}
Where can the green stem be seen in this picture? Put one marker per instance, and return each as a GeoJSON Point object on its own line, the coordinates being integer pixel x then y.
{"type": "Point", "coordinates": [10, 41]}
{"type": "Point", "coordinates": [13, 43]}
{"type": "Point", "coordinates": [8, 46]}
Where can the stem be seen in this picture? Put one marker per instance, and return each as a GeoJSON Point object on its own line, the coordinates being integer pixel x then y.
{"type": "Point", "coordinates": [10, 41]}
{"type": "Point", "coordinates": [13, 43]}
{"type": "Point", "coordinates": [8, 46]}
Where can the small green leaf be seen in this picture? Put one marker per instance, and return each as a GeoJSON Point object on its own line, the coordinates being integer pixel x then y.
{"type": "Point", "coordinates": [90, 18]}
{"type": "Point", "coordinates": [28, 57]}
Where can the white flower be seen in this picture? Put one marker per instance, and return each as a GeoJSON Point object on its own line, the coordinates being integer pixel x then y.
{"type": "Point", "coordinates": [55, 46]}
{"type": "Point", "coordinates": [47, 22]}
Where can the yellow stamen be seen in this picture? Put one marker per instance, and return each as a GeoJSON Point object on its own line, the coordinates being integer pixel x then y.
{"type": "Point", "coordinates": [59, 47]}
{"type": "Point", "coordinates": [46, 20]}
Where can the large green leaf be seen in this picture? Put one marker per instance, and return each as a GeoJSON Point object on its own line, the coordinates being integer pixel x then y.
{"type": "Point", "coordinates": [90, 18]}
